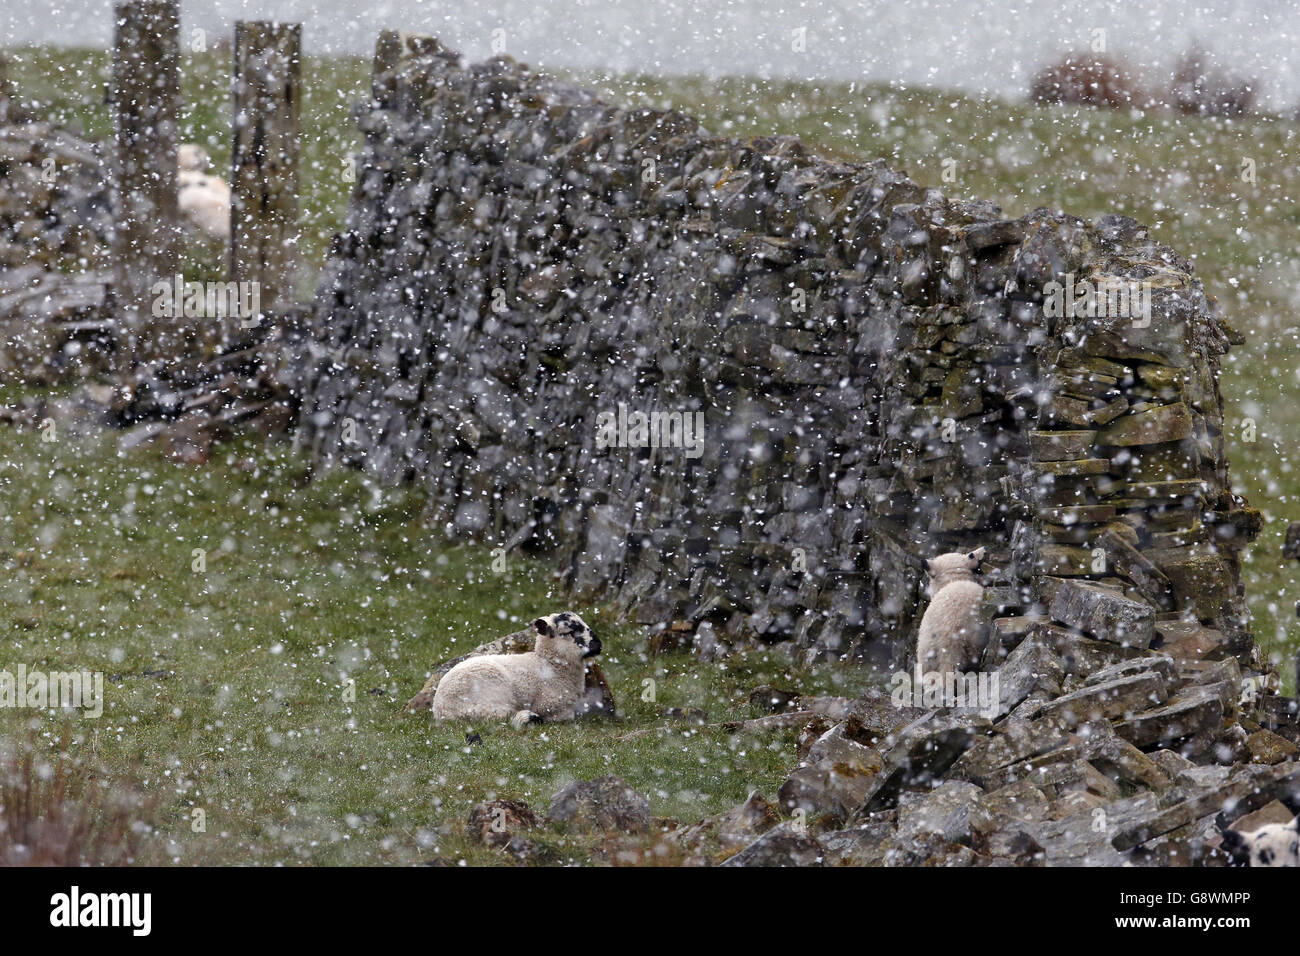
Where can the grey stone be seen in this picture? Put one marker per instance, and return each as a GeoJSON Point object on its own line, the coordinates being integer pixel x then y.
{"type": "Point", "coordinates": [861, 845]}
{"type": "Point", "coordinates": [919, 343]}
{"type": "Point", "coordinates": [1164, 423]}
{"type": "Point", "coordinates": [1032, 668]}
{"type": "Point", "coordinates": [1104, 613]}
{"type": "Point", "coordinates": [838, 777]}
{"type": "Point", "coordinates": [606, 803]}
{"type": "Point", "coordinates": [1000, 820]}
{"type": "Point", "coordinates": [737, 827]}
{"type": "Point", "coordinates": [918, 754]}
{"type": "Point", "coordinates": [783, 845]}
{"type": "Point", "coordinates": [1117, 698]}
{"type": "Point", "coordinates": [944, 810]}
{"type": "Point", "coordinates": [1197, 709]}
{"type": "Point", "coordinates": [1157, 664]}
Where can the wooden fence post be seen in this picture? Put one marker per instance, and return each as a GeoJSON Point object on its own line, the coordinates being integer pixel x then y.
{"type": "Point", "coordinates": [7, 94]}
{"type": "Point", "coordinates": [146, 106]}
{"type": "Point", "coordinates": [388, 53]}
{"type": "Point", "coordinates": [264, 160]}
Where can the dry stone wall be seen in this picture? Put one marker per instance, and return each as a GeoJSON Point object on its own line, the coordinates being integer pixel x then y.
{"type": "Point", "coordinates": [55, 229]}
{"type": "Point", "coordinates": [878, 369]}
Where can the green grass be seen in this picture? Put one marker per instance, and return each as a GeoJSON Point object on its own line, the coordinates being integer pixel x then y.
{"type": "Point", "coordinates": [226, 688]}
{"type": "Point", "coordinates": [311, 584]}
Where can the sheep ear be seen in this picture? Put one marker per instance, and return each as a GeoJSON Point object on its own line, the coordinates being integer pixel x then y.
{"type": "Point", "coordinates": [543, 627]}
{"type": "Point", "coordinates": [976, 556]}
{"type": "Point", "coordinates": [1233, 840]}
{"type": "Point", "coordinates": [929, 568]}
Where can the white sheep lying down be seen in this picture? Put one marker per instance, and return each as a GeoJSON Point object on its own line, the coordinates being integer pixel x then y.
{"type": "Point", "coordinates": [546, 683]}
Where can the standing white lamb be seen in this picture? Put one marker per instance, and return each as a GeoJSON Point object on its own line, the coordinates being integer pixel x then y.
{"type": "Point", "coordinates": [204, 200]}
{"type": "Point", "coordinates": [951, 637]}
{"type": "Point", "coordinates": [546, 683]}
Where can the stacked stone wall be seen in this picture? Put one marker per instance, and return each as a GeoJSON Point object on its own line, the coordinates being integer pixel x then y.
{"type": "Point", "coordinates": [882, 375]}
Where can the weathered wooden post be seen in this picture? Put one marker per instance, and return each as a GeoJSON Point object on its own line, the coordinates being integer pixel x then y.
{"type": "Point", "coordinates": [388, 53]}
{"type": "Point", "coordinates": [264, 161]}
{"type": "Point", "coordinates": [146, 104]}
{"type": "Point", "coordinates": [7, 95]}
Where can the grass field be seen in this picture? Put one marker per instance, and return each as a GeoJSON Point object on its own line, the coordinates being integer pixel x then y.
{"type": "Point", "coordinates": [230, 686]}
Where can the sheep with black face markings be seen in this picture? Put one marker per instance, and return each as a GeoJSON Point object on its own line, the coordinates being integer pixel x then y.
{"type": "Point", "coordinates": [1274, 844]}
{"type": "Point", "coordinates": [546, 683]}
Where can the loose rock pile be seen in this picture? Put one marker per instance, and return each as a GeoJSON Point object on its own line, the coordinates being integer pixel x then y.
{"type": "Point", "coordinates": [55, 227]}
{"type": "Point", "coordinates": [1099, 755]}
{"type": "Point", "coordinates": [878, 377]}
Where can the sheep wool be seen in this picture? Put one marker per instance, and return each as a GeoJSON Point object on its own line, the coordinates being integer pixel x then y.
{"type": "Point", "coordinates": [203, 200]}
{"type": "Point", "coordinates": [544, 684]}
{"type": "Point", "coordinates": [1274, 844]}
{"type": "Point", "coordinates": [951, 637]}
